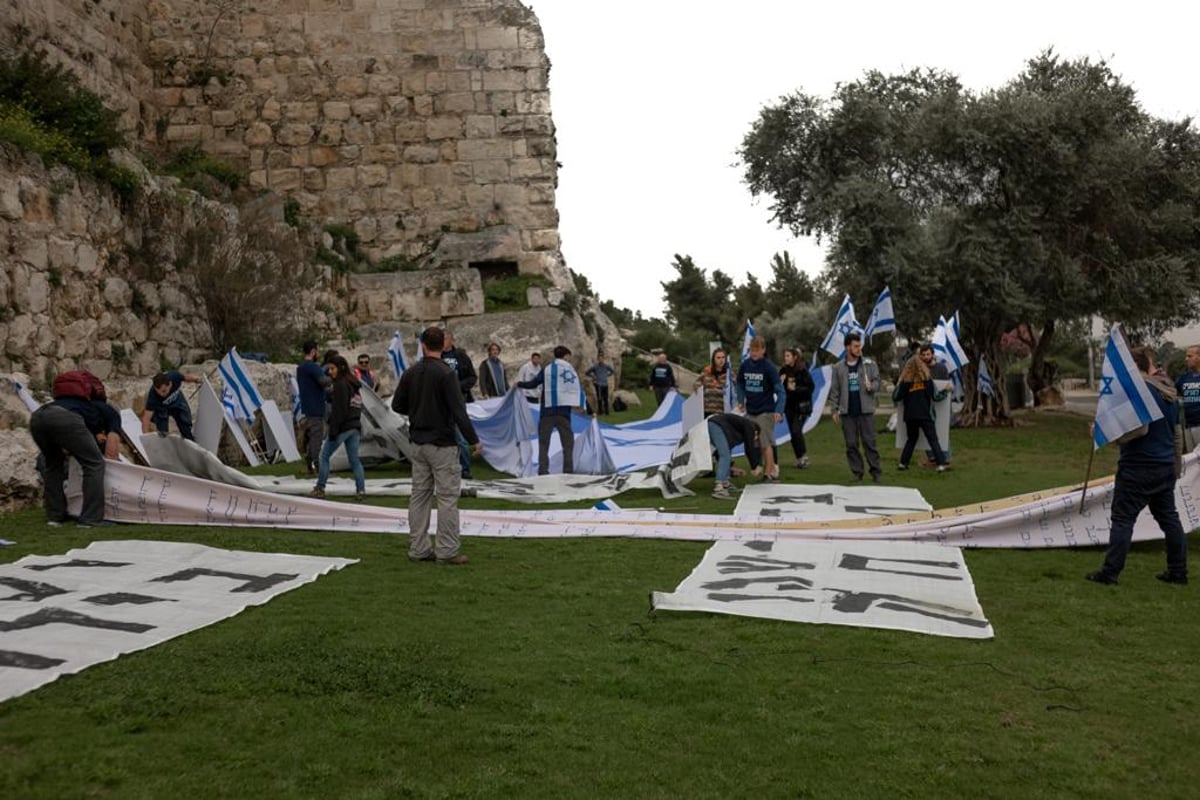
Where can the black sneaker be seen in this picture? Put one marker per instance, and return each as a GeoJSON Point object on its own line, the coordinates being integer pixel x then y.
{"type": "Point", "coordinates": [1100, 576]}
{"type": "Point", "coordinates": [1172, 577]}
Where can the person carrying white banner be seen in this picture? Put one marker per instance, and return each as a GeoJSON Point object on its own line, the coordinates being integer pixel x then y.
{"type": "Point", "coordinates": [561, 390]}
{"type": "Point", "coordinates": [1137, 409]}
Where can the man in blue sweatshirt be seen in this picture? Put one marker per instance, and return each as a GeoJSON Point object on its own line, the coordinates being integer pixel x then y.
{"type": "Point", "coordinates": [1188, 386]}
{"type": "Point", "coordinates": [1146, 473]}
{"type": "Point", "coordinates": [311, 381]}
{"type": "Point", "coordinates": [761, 395]}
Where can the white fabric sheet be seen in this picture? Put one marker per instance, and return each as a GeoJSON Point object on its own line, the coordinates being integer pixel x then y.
{"type": "Point", "coordinates": [61, 614]}
{"type": "Point", "coordinates": [895, 585]}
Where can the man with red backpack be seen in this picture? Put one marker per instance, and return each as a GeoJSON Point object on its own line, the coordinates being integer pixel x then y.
{"type": "Point", "coordinates": [78, 422]}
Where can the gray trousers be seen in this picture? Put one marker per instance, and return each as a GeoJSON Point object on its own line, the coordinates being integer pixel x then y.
{"type": "Point", "coordinates": [55, 430]}
{"type": "Point", "coordinates": [854, 430]}
{"type": "Point", "coordinates": [314, 436]}
{"type": "Point", "coordinates": [547, 425]}
{"type": "Point", "coordinates": [435, 473]}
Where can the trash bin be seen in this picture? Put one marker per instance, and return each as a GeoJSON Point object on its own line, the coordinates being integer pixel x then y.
{"type": "Point", "coordinates": [1014, 387]}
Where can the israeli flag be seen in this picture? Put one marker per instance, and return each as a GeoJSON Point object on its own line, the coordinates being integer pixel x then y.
{"type": "Point", "coordinates": [947, 348]}
{"type": "Point", "coordinates": [985, 385]}
{"type": "Point", "coordinates": [229, 402]}
{"type": "Point", "coordinates": [835, 340]}
{"type": "Point", "coordinates": [883, 318]}
{"type": "Point", "coordinates": [607, 505]}
{"type": "Point", "coordinates": [1125, 402]}
{"type": "Point", "coordinates": [296, 412]}
{"type": "Point", "coordinates": [396, 353]}
{"type": "Point", "coordinates": [25, 396]}
{"type": "Point", "coordinates": [240, 385]}
{"type": "Point", "coordinates": [746, 340]}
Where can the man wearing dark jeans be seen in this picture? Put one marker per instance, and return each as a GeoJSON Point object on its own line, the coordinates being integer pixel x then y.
{"type": "Point", "coordinates": [1146, 473]}
{"type": "Point", "coordinates": [852, 395]}
{"type": "Point", "coordinates": [561, 390]}
{"type": "Point", "coordinates": [74, 426]}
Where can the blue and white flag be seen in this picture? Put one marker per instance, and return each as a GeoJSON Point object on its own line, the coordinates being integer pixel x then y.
{"type": "Point", "coordinates": [296, 412]}
{"type": "Point", "coordinates": [561, 385]}
{"type": "Point", "coordinates": [883, 317]}
{"type": "Point", "coordinates": [985, 385]}
{"type": "Point", "coordinates": [746, 340]}
{"type": "Point", "coordinates": [25, 396]}
{"type": "Point", "coordinates": [238, 383]}
{"type": "Point", "coordinates": [730, 394]}
{"type": "Point", "coordinates": [835, 340]}
{"type": "Point", "coordinates": [396, 353]}
{"type": "Point", "coordinates": [607, 505]}
{"type": "Point", "coordinates": [947, 348]}
{"type": "Point", "coordinates": [1125, 402]}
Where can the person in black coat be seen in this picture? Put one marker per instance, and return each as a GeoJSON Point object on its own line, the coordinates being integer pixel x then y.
{"type": "Point", "coordinates": [916, 390]}
{"type": "Point", "coordinates": [798, 383]}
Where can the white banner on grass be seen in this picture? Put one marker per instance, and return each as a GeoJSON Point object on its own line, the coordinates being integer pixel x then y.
{"type": "Point", "coordinates": [894, 585]}
{"type": "Point", "coordinates": [279, 433]}
{"type": "Point", "coordinates": [210, 417]}
{"type": "Point", "coordinates": [819, 503]}
{"type": "Point", "coordinates": [62, 614]}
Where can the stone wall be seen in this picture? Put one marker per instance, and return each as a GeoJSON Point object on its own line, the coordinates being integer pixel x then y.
{"type": "Point", "coordinates": [101, 41]}
{"type": "Point", "coordinates": [411, 120]}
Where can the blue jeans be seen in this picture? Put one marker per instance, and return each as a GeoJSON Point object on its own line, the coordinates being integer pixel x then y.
{"type": "Point", "coordinates": [350, 439]}
{"type": "Point", "coordinates": [464, 453]}
{"type": "Point", "coordinates": [1136, 487]}
{"type": "Point", "coordinates": [721, 445]}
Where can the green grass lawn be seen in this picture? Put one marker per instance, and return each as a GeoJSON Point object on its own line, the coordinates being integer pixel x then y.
{"type": "Point", "coordinates": [538, 671]}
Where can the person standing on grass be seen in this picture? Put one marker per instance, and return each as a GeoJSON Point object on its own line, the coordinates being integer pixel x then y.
{"type": "Point", "coordinates": [165, 401]}
{"type": "Point", "coordinates": [761, 395]}
{"type": "Point", "coordinates": [852, 395]}
{"type": "Point", "coordinates": [1188, 386]}
{"type": "Point", "coordinates": [458, 360]}
{"type": "Point", "coordinates": [713, 379]}
{"type": "Point", "coordinates": [344, 428]}
{"type": "Point", "coordinates": [798, 383]}
{"type": "Point", "coordinates": [662, 378]}
{"type": "Point", "coordinates": [528, 371]}
{"type": "Point", "coordinates": [938, 372]}
{"type": "Point", "coordinates": [725, 432]}
{"type": "Point", "coordinates": [492, 380]}
{"type": "Point", "coordinates": [561, 390]}
{"type": "Point", "coordinates": [1147, 468]}
{"type": "Point", "coordinates": [600, 373]}
{"type": "Point", "coordinates": [915, 390]}
{"type": "Point", "coordinates": [430, 396]}
{"type": "Point", "coordinates": [311, 382]}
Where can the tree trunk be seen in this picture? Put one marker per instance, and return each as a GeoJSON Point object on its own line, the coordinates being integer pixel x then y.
{"type": "Point", "coordinates": [1041, 375]}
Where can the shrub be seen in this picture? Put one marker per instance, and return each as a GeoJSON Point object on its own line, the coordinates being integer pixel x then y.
{"type": "Point", "coordinates": [190, 162]}
{"type": "Point", "coordinates": [510, 294]}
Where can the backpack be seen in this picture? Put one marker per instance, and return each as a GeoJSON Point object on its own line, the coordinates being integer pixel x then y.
{"type": "Point", "coordinates": [78, 383]}
{"type": "Point", "coordinates": [618, 404]}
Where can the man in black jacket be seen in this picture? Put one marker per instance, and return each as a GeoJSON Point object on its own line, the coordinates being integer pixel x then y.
{"type": "Point", "coordinates": [429, 395]}
{"type": "Point", "coordinates": [458, 360]}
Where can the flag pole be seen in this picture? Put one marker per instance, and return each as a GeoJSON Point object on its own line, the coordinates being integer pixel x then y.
{"type": "Point", "coordinates": [1087, 477]}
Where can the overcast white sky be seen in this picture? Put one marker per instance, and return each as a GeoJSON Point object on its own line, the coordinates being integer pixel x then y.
{"type": "Point", "coordinates": [651, 99]}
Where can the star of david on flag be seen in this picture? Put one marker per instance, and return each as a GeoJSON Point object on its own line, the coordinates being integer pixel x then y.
{"type": "Point", "coordinates": [883, 317]}
{"type": "Point", "coordinates": [239, 386]}
{"type": "Point", "coordinates": [1125, 402]}
{"type": "Point", "coordinates": [844, 323]}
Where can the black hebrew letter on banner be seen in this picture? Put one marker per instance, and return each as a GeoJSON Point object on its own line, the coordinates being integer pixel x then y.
{"type": "Point", "coordinates": [858, 602]}
{"type": "Point", "coordinates": [78, 562]}
{"type": "Point", "coordinates": [862, 564]}
{"type": "Point", "coordinates": [796, 499]}
{"type": "Point", "coordinates": [11, 658]}
{"type": "Point", "coordinates": [29, 590]}
{"type": "Point", "coordinates": [740, 563]}
{"type": "Point", "coordinates": [781, 583]}
{"type": "Point", "coordinates": [737, 598]}
{"type": "Point", "coordinates": [50, 616]}
{"type": "Point", "coordinates": [125, 598]}
{"type": "Point", "coordinates": [253, 583]}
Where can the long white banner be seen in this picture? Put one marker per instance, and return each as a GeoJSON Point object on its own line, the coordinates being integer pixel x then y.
{"type": "Point", "coordinates": [60, 614]}
{"type": "Point", "coordinates": [1041, 519]}
{"type": "Point", "coordinates": [904, 586]}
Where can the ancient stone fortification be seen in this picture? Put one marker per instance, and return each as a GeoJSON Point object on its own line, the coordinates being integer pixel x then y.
{"type": "Point", "coordinates": [424, 124]}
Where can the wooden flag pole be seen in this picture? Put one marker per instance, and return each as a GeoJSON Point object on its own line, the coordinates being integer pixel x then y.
{"type": "Point", "coordinates": [1087, 477]}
